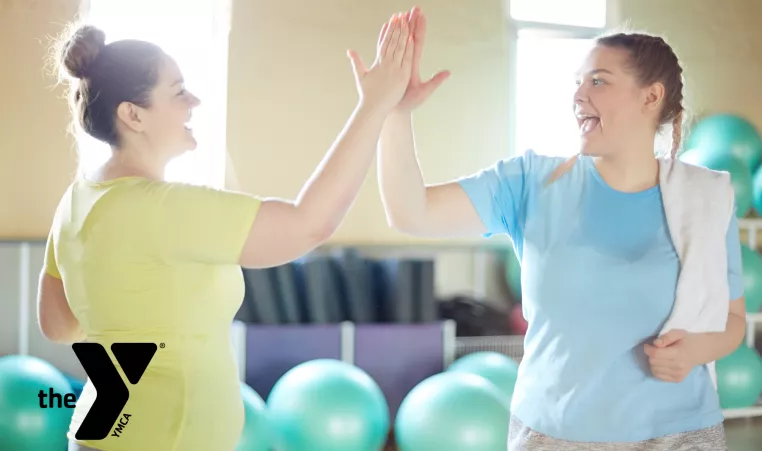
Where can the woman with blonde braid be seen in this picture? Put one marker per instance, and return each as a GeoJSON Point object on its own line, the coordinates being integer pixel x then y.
{"type": "Point", "coordinates": [599, 269]}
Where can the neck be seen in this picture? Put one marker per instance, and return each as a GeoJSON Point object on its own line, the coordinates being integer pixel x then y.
{"type": "Point", "coordinates": [629, 171]}
{"type": "Point", "coordinates": [129, 161]}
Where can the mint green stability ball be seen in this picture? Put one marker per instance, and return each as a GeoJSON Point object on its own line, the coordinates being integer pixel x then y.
{"type": "Point", "coordinates": [24, 425]}
{"type": "Point", "coordinates": [328, 405]}
{"type": "Point", "coordinates": [501, 370]}
{"type": "Point", "coordinates": [757, 191]}
{"type": "Point", "coordinates": [727, 133]}
{"type": "Point", "coordinates": [740, 174]}
{"type": "Point", "coordinates": [752, 279]}
{"type": "Point", "coordinates": [453, 411]}
{"type": "Point", "coordinates": [513, 273]}
{"type": "Point", "coordinates": [256, 430]}
{"type": "Point", "coordinates": [739, 378]}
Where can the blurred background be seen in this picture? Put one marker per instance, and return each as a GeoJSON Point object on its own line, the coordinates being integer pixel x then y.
{"type": "Point", "coordinates": [276, 88]}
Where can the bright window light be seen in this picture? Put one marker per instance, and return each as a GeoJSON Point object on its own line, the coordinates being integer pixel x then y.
{"type": "Point", "coordinates": [581, 13]}
{"type": "Point", "coordinates": [544, 94]}
{"type": "Point", "coordinates": [195, 34]}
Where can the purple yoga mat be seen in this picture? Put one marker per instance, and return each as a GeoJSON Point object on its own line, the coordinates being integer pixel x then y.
{"type": "Point", "coordinates": [273, 350]}
{"type": "Point", "coordinates": [399, 356]}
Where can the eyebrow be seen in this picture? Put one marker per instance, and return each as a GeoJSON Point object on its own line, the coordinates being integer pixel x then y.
{"type": "Point", "coordinates": [597, 71]}
{"type": "Point", "coordinates": [178, 82]}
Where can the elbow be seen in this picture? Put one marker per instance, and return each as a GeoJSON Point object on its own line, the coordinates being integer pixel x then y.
{"type": "Point", "coordinates": [59, 331]}
{"type": "Point", "coordinates": [403, 224]}
{"type": "Point", "coordinates": [318, 232]}
{"type": "Point", "coordinates": [58, 335]}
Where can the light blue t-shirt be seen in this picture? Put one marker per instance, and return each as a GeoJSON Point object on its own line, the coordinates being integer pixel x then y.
{"type": "Point", "coordinates": [599, 275]}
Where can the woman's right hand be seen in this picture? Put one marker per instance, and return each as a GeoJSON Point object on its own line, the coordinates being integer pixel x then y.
{"type": "Point", "coordinates": [383, 85]}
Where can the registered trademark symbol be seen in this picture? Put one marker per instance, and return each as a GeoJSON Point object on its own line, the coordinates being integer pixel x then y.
{"type": "Point", "coordinates": [161, 345]}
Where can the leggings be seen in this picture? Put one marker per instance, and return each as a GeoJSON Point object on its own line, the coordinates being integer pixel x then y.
{"type": "Point", "coordinates": [521, 438]}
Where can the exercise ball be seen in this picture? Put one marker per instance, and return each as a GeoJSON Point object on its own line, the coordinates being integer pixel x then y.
{"type": "Point", "coordinates": [453, 411]}
{"type": "Point", "coordinates": [256, 431]}
{"type": "Point", "coordinates": [728, 134]}
{"type": "Point", "coordinates": [77, 385]}
{"type": "Point", "coordinates": [739, 378]}
{"type": "Point", "coordinates": [24, 425]}
{"type": "Point", "coordinates": [757, 191]}
{"type": "Point", "coordinates": [327, 405]}
{"type": "Point", "coordinates": [740, 174]}
{"type": "Point", "coordinates": [752, 278]}
{"type": "Point", "coordinates": [501, 370]}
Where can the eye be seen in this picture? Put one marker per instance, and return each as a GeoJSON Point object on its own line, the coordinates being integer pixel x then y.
{"type": "Point", "coordinates": [598, 81]}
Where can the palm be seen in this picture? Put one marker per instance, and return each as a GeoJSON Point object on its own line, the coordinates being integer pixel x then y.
{"type": "Point", "coordinates": [417, 90]}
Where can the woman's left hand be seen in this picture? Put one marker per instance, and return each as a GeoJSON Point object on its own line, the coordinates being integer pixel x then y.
{"type": "Point", "coordinates": [671, 357]}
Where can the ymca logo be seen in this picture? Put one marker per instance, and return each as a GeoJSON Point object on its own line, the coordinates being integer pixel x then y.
{"type": "Point", "coordinates": [112, 392]}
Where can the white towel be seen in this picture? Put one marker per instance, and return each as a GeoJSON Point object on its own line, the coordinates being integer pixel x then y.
{"type": "Point", "coordinates": [698, 204]}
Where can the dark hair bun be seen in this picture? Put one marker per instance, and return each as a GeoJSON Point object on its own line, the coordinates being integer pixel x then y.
{"type": "Point", "coordinates": [82, 49]}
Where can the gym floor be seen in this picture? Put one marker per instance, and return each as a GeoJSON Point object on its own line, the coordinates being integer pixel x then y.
{"type": "Point", "coordinates": [743, 434]}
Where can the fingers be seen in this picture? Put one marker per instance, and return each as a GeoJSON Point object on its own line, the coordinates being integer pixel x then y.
{"type": "Point", "coordinates": [381, 35]}
{"type": "Point", "coordinates": [357, 65]}
{"type": "Point", "coordinates": [402, 43]}
{"type": "Point", "coordinates": [670, 337]}
{"type": "Point", "coordinates": [435, 81]}
{"type": "Point", "coordinates": [407, 57]}
{"type": "Point", "coordinates": [393, 25]}
{"type": "Point", "coordinates": [419, 35]}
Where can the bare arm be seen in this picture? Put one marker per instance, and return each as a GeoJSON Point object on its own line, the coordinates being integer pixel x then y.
{"type": "Point", "coordinates": [715, 346]}
{"type": "Point", "coordinates": [434, 211]}
{"type": "Point", "coordinates": [56, 320]}
{"type": "Point", "coordinates": [284, 231]}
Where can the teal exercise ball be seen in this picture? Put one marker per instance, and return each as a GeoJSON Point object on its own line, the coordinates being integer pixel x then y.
{"type": "Point", "coordinates": [256, 430]}
{"type": "Point", "coordinates": [739, 378]}
{"type": "Point", "coordinates": [328, 405]}
{"type": "Point", "coordinates": [513, 273]}
{"type": "Point", "coordinates": [453, 411]}
{"type": "Point", "coordinates": [24, 425]}
{"type": "Point", "coordinates": [740, 175]}
{"type": "Point", "coordinates": [501, 370]}
{"type": "Point", "coordinates": [727, 133]}
{"type": "Point", "coordinates": [757, 191]}
{"type": "Point", "coordinates": [752, 278]}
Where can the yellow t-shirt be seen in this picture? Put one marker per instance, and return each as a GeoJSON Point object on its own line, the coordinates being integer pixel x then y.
{"type": "Point", "coordinates": [153, 261]}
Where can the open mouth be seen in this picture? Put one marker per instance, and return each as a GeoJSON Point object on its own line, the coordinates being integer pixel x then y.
{"type": "Point", "coordinates": [587, 123]}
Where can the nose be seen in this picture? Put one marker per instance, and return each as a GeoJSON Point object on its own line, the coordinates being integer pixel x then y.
{"type": "Point", "coordinates": [194, 101]}
{"type": "Point", "coordinates": [580, 94]}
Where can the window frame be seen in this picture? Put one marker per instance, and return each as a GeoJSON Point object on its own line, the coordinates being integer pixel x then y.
{"type": "Point", "coordinates": [537, 29]}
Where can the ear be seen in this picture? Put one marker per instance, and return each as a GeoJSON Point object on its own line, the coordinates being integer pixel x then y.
{"type": "Point", "coordinates": [654, 97]}
{"type": "Point", "coordinates": [131, 116]}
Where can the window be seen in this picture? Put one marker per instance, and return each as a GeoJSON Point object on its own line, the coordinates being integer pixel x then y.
{"type": "Point", "coordinates": [583, 13]}
{"type": "Point", "coordinates": [195, 34]}
{"type": "Point", "coordinates": [552, 38]}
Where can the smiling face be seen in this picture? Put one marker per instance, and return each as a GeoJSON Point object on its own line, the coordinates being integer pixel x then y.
{"type": "Point", "coordinates": [160, 121]}
{"type": "Point", "coordinates": [166, 121]}
{"type": "Point", "coordinates": [611, 106]}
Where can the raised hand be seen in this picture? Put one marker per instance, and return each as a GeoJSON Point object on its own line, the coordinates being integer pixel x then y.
{"type": "Point", "coordinates": [418, 91]}
{"type": "Point", "coordinates": [383, 85]}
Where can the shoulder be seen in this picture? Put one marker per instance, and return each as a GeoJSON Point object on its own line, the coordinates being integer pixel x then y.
{"type": "Point", "coordinates": [688, 172]}
{"type": "Point", "coordinates": [531, 164]}
{"type": "Point", "coordinates": [706, 186]}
